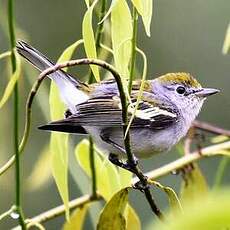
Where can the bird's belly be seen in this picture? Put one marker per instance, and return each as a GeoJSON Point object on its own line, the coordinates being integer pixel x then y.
{"type": "Point", "coordinates": [144, 142]}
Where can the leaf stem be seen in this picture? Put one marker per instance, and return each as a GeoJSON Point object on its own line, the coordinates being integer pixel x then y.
{"type": "Point", "coordinates": [16, 116]}
{"type": "Point", "coordinates": [133, 54]}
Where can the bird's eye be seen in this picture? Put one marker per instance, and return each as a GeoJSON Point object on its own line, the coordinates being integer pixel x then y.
{"type": "Point", "coordinates": [180, 90]}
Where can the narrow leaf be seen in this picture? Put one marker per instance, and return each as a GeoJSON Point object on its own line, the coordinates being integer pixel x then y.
{"type": "Point", "coordinates": [113, 3]}
{"type": "Point", "coordinates": [226, 45]}
{"type": "Point", "coordinates": [77, 219]}
{"type": "Point", "coordinates": [193, 185]}
{"type": "Point", "coordinates": [173, 199]}
{"type": "Point", "coordinates": [59, 141]}
{"type": "Point", "coordinates": [108, 182]}
{"type": "Point", "coordinates": [133, 221]}
{"type": "Point", "coordinates": [207, 212]}
{"type": "Point", "coordinates": [10, 86]}
{"type": "Point", "coordinates": [121, 31]}
{"type": "Point", "coordinates": [41, 173]}
{"type": "Point", "coordinates": [147, 15]}
{"type": "Point", "coordinates": [138, 5]}
{"type": "Point", "coordinates": [89, 39]}
{"type": "Point", "coordinates": [112, 216]}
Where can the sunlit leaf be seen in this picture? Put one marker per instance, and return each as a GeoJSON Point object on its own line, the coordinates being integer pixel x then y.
{"type": "Point", "coordinates": [226, 45]}
{"type": "Point", "coordinates": [68, 52]}
{"type": "Point", "coordinates": [121, 32]}
{"type": "Point", "coordinates": [112, 216]}
{"type": "Point", "coordinates": [206, 212]}
{"type": "Point", "coordinates": [41, 173]}
{"type": "Point", "coordinates": [145, 9]}
{"type": "Point", "coordinates": [140, 90]}
{"type": "Point", "coordinates": [220, 172]}
{"type": "Point", "coordinates": [173, 199]}
{"type": "Point", "coordinates": [113, 3]}
{"type": "Point", "coordinates": [77, 219]}
{"type": "Point", "coordinates": [219, 139]}
{"type": "Point", "coordinates": [125, 177]}
{"type": "Point", "coordinates": [193, 185]}
{"type": "Point", "coordinates": [89, 39]}
{"type": "Point", "coordinates": [5, 54]}
{"type": "Point", "coordinates": [87, 3]}
{"type": "Point", "coordinates": [108, 182]}
{"type": "Point", "coordinates": [133, 221]}
{"type": "Point", "coordinates": [59, 141]}
{"type": "Point", "coordinates": [10, 86]}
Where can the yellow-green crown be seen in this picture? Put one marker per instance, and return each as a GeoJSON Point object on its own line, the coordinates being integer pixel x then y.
{"type": "Point", "coordinates": [180, 78]}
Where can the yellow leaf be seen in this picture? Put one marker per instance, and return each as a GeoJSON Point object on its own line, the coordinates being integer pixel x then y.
{"type": "Point", "coordinates": [87, 3]}
{"type": "Point", "coordinates": [146, 14]}
{"type": "Point", "coordinates": [138, 5]}
{"type": "Point", "coordinates": [121, 32]}
{"type": "Point", "coordinates": [68, 52]}
{"type": "Point", "coordinates": [226, 45]}
{"type": "Point", "coordinates": [133, 221]}
{"type": "Point", "coordinates": [59, 141]}
{"type": "Point", "coordinates": [10, 86]}
{"type": "Point", "coordinates": [125, 177]}
{"type": "Point", "coordinates": [113, 3]}
{"type": "Point", "coordinates": [107, 176]}
{"type": "Point", "coordinates": [207, 212]}
{"type": "Point", "coordinates": [41, 172]}
{"type": "Point", "coordinates": [89, 40]}
{"type": "Point", "coordinates": [77, 219]}
{"type": "Point", "coordinates": [174, 201]}
{"type": "Point", "coordinates": [112, 216]}
{"type": "Point", "coordinates": [193, 185]}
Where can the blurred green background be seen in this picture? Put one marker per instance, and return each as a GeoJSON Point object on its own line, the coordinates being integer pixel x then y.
{"type": "Point", "coordinates": [185, 36]}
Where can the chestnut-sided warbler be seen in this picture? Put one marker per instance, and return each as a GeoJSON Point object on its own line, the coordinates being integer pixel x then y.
{"type": "Point", "coordinates": [168, 106]}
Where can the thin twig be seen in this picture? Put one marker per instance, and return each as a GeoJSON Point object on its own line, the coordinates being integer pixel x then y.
{"type": "Point", "coordinates": [57, 211]}
{"type": "Point", "coordinates": [211, 128]}
{"type": "Point", "coordinates": [18, 206]}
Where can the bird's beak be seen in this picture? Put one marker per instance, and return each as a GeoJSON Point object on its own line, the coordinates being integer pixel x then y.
{"type": "Point", "coordinates": [205, 92]}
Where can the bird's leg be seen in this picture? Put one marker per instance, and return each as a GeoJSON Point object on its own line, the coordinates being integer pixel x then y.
{"type": "Point", "coordinates": [114, 157]}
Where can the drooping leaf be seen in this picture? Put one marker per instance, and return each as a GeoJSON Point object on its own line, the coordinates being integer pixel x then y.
{"type": "Point", "coordinates": [121, 32]}
{"type": "Point", "coordinates": [59, 141]}
{"type": "Point", "coordinates": [207, 212]}
{"type": "Point", "coordinates": [125, 177]}
{"type": "Point", "coordinates": [10, 86]}
{"type": "Point", "coordinates": [173, 199]}
{"type": "Point", "coordinates": [107, 176]}
{"type": "Point", "coordinates": [133, 221]}
{"type": "Point", "coordinates": [41, 172]}
{"type": "Point", "coordinates": [77, 219]}
{"type": "Point", "coordinates": [112, 216]}
{"type": "Point", "coordinates": [68, 52]}
{"type": "Point", "coordinates": [226, 45]}
{"type": "Point", "coordinates": [113, 3]}
{"type": "Point", "coordinates": [145, 9]}
{"type": "Point", "coordinates": [89, 39]}
{"type": "Point", "coordinates": [193, 185]}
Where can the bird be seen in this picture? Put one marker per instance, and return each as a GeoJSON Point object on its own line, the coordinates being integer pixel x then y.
{"type": "Point", "coordinates": [168, 106]}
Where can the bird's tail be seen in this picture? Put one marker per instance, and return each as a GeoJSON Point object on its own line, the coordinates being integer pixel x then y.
{"type": "Point", "coordinates": [72, 91]}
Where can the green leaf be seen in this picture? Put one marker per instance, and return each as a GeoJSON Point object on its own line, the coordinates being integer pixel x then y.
{"type": "Point", "coordinates": [89, 39]}
{"type": "Point", "coordinates": [113, 3]}
{"type": "Point", "coordinates": [10, 86]}
{"type": "Point", "coordinates": [68, 52]}
{"type": "Point", "coordinates": [112, 216]}
{"type": "Point", "coordinates": [133, 221]}
{"type": "Point", "coordinates": [59, 141]}
{"type": "Point", "coordinates": [77, 219]}
{"type": "Point", "coordinates": [145, 9]}
{"type": "Point", "coordinates": [125, 177]}
{"type": "Point", "coordinates": [207, 212]}
{"type": "Point", "coordinates": [121, 32]}
{"type": "Point", "coordinates": [226, 45]}
{"type": "Point", "coordinates": [193, 185]}
{"type": "Point", "coordinates": [41, 173]}
{"type": "Point", "coordinates": [109, 181]}
{"type": "Point", "coordinates": [87, 3]}
{"type": "Point", "coordinates": [219, 139]}
{"type": "Point", "coordinates": [173, 199]}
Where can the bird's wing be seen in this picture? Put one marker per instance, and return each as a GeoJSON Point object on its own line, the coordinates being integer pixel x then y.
{"type": "Point", "coordinates": [107, 112]}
